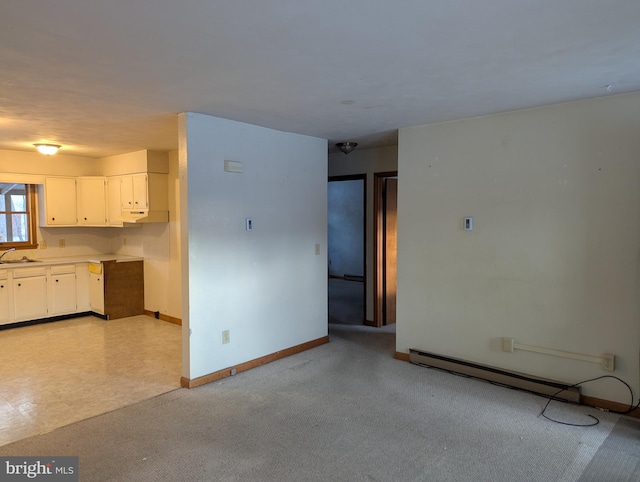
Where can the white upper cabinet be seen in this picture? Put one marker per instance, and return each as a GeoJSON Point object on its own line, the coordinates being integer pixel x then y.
{"type": "Point", "coordinates": [119, 196]}
{"type": "Point", "coordinates": [114, 204]}
{"type": "Point", "coordinates": [133, 191]}
{"type": "Point", "coordinates": [92, 201]}
{"type": "Point", "coordinates": [145, 197]}
{"type": "Point", "coordinates": [73, 201]}
{"type": "Point", "coordinates": [59, 208]}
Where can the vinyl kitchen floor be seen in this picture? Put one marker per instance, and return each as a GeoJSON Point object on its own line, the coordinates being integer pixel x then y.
{"type": "Point", "coordinates": [58, 373]}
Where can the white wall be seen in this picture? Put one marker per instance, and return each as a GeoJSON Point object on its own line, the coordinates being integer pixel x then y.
{"type": "Point", "coordinates": [268, 287]}
{"type": "Point", "coordinates": [34, 163]}
{"type": "Point", "coordinates": [554, 257]}
{"type": "Point", "coordinates": [366, 161]}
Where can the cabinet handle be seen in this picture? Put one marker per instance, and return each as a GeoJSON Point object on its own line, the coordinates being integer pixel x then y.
{"type": "Point", "coordinates": [19, 284]}
{"type": "Point", "coordinates": [1, 286]}
{"type": "Point", "coordinates": [56, 281]}
{"type": "Point", "coordinates": [85, 219]}
{"type": "Point", "coordinates": [53, 219]}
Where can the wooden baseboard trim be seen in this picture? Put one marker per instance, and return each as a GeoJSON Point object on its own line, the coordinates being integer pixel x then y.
{"type": "Point", "coordinates": [160, 316]}
{"type": "Point", "coordinates": [608, 405]}
{"type": "Point", "coordinates": [401, 356]}
{"type": "Point", "coordinates": [243, 367]}
{"type": "Point", "coordinates": [584, 400]}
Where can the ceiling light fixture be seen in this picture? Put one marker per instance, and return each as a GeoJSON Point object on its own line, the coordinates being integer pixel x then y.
{"type": "Point", "coordinates": [47, 149]}
{"type": "Point", "coordinates": [346, 147]}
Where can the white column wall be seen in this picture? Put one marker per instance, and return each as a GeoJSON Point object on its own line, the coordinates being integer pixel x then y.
{"type": "Point", "coordinates": [267, 286]}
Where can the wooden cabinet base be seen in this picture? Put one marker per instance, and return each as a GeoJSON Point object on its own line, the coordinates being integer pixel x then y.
{"type": "Point", "coordinates": [123, 289]}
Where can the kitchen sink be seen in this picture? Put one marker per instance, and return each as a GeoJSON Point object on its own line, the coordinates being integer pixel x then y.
{"type": "Point", "coordinates": [24, 259]}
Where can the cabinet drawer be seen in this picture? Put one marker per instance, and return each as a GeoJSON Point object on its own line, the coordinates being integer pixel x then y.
{"type": "Point", "coordinates": [28, 272]}
{"type": "Point", "coordinates": [63, 269]}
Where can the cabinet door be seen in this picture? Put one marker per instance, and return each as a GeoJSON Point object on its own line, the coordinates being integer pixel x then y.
{"type": "Point", "coordinates": [96, 293]}
{"type": "Point", "coordinates": [134, 192]}
{"type": "Point", "coordinates": [92, 201]}
{"type": "Point", "coordinates": [4, 300]}
{"type": "Point", "coordinates": [140, 197]}
{"type": "Point", "coordinates": [83, 282]}
{"type": "Point", "coordinates": [60, 201]}
{"type": "Point", "coordinates": [126, 192]}
{"type": "Point", "coordinates": [114, 202]}
{"type": "Point", "coordinates": [30, 298]}
{"type": "Point", "coordinates": [63, 293]}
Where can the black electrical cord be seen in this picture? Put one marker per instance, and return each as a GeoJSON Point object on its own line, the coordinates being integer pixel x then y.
{"type": "Point", "coordinates": [597, 421]}
{"type": "Point", "coordinates": [553, 397]}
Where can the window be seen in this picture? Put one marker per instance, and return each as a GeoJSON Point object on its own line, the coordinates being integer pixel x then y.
{"type": "Point", "coordinates": [17, 216]}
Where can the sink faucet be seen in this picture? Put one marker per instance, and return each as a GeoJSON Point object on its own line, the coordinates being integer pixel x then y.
{"type": "Point", "coordinates": [7, 251]}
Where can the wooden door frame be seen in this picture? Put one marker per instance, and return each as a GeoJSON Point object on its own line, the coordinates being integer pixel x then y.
{"type": "Point", "coordinates": [378, 248]}
{"type": "Point", "coordinates": [359, 177]}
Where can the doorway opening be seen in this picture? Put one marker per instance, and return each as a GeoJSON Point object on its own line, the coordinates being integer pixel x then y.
{"type": "Point", "coordinates": [385, 222]}
{"type": "Point", "coordinates": [346, 249]}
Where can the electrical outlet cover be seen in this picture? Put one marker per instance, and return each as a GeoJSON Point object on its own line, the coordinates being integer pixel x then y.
{"type": "Point", "coordinates": [607, 362]}
{"type": "Point", "coordinates": [507, 344]}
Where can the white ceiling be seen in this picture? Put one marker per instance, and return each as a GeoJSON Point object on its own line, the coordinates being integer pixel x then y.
{"type": "Point", "coordinates": [104, 78]}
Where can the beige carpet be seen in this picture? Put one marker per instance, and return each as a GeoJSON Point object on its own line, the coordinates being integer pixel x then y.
{"type": "Point", "coordinates": [342, 411]}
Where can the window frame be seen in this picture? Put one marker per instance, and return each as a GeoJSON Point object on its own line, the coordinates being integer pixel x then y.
{"type": "Point", "coordinates": [32, 243]}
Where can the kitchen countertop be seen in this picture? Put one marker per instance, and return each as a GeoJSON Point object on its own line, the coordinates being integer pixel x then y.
{"type": "Point", "coordinates": [86, 258]}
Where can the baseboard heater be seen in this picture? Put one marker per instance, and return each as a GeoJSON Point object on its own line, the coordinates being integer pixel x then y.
{"type": "Point", "coordinates": [521, 381]}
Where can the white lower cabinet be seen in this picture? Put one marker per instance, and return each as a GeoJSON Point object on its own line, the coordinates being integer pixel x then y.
{"type": "Point", "coordinates": [5, 298]}
{"type": "Point", "coordinates": [82, 288]}
{"type": "Point", "coordinates": [62, 281]}
{"type": "Point", "coordinates": [29, 294]}
{"type": "Point", "coordinates": [35, 293]}
{"type": "Point", "coordinates": [96, 288]}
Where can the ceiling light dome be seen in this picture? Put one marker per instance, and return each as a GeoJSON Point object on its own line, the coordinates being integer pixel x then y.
{"type": "Point", "coordinates": [47, 149]}
{"type": "Point", "coordinates": [346, 147]}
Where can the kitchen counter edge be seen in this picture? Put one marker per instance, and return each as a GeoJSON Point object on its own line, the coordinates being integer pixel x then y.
{"type": "Point", "coordinates": [90, 258]}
